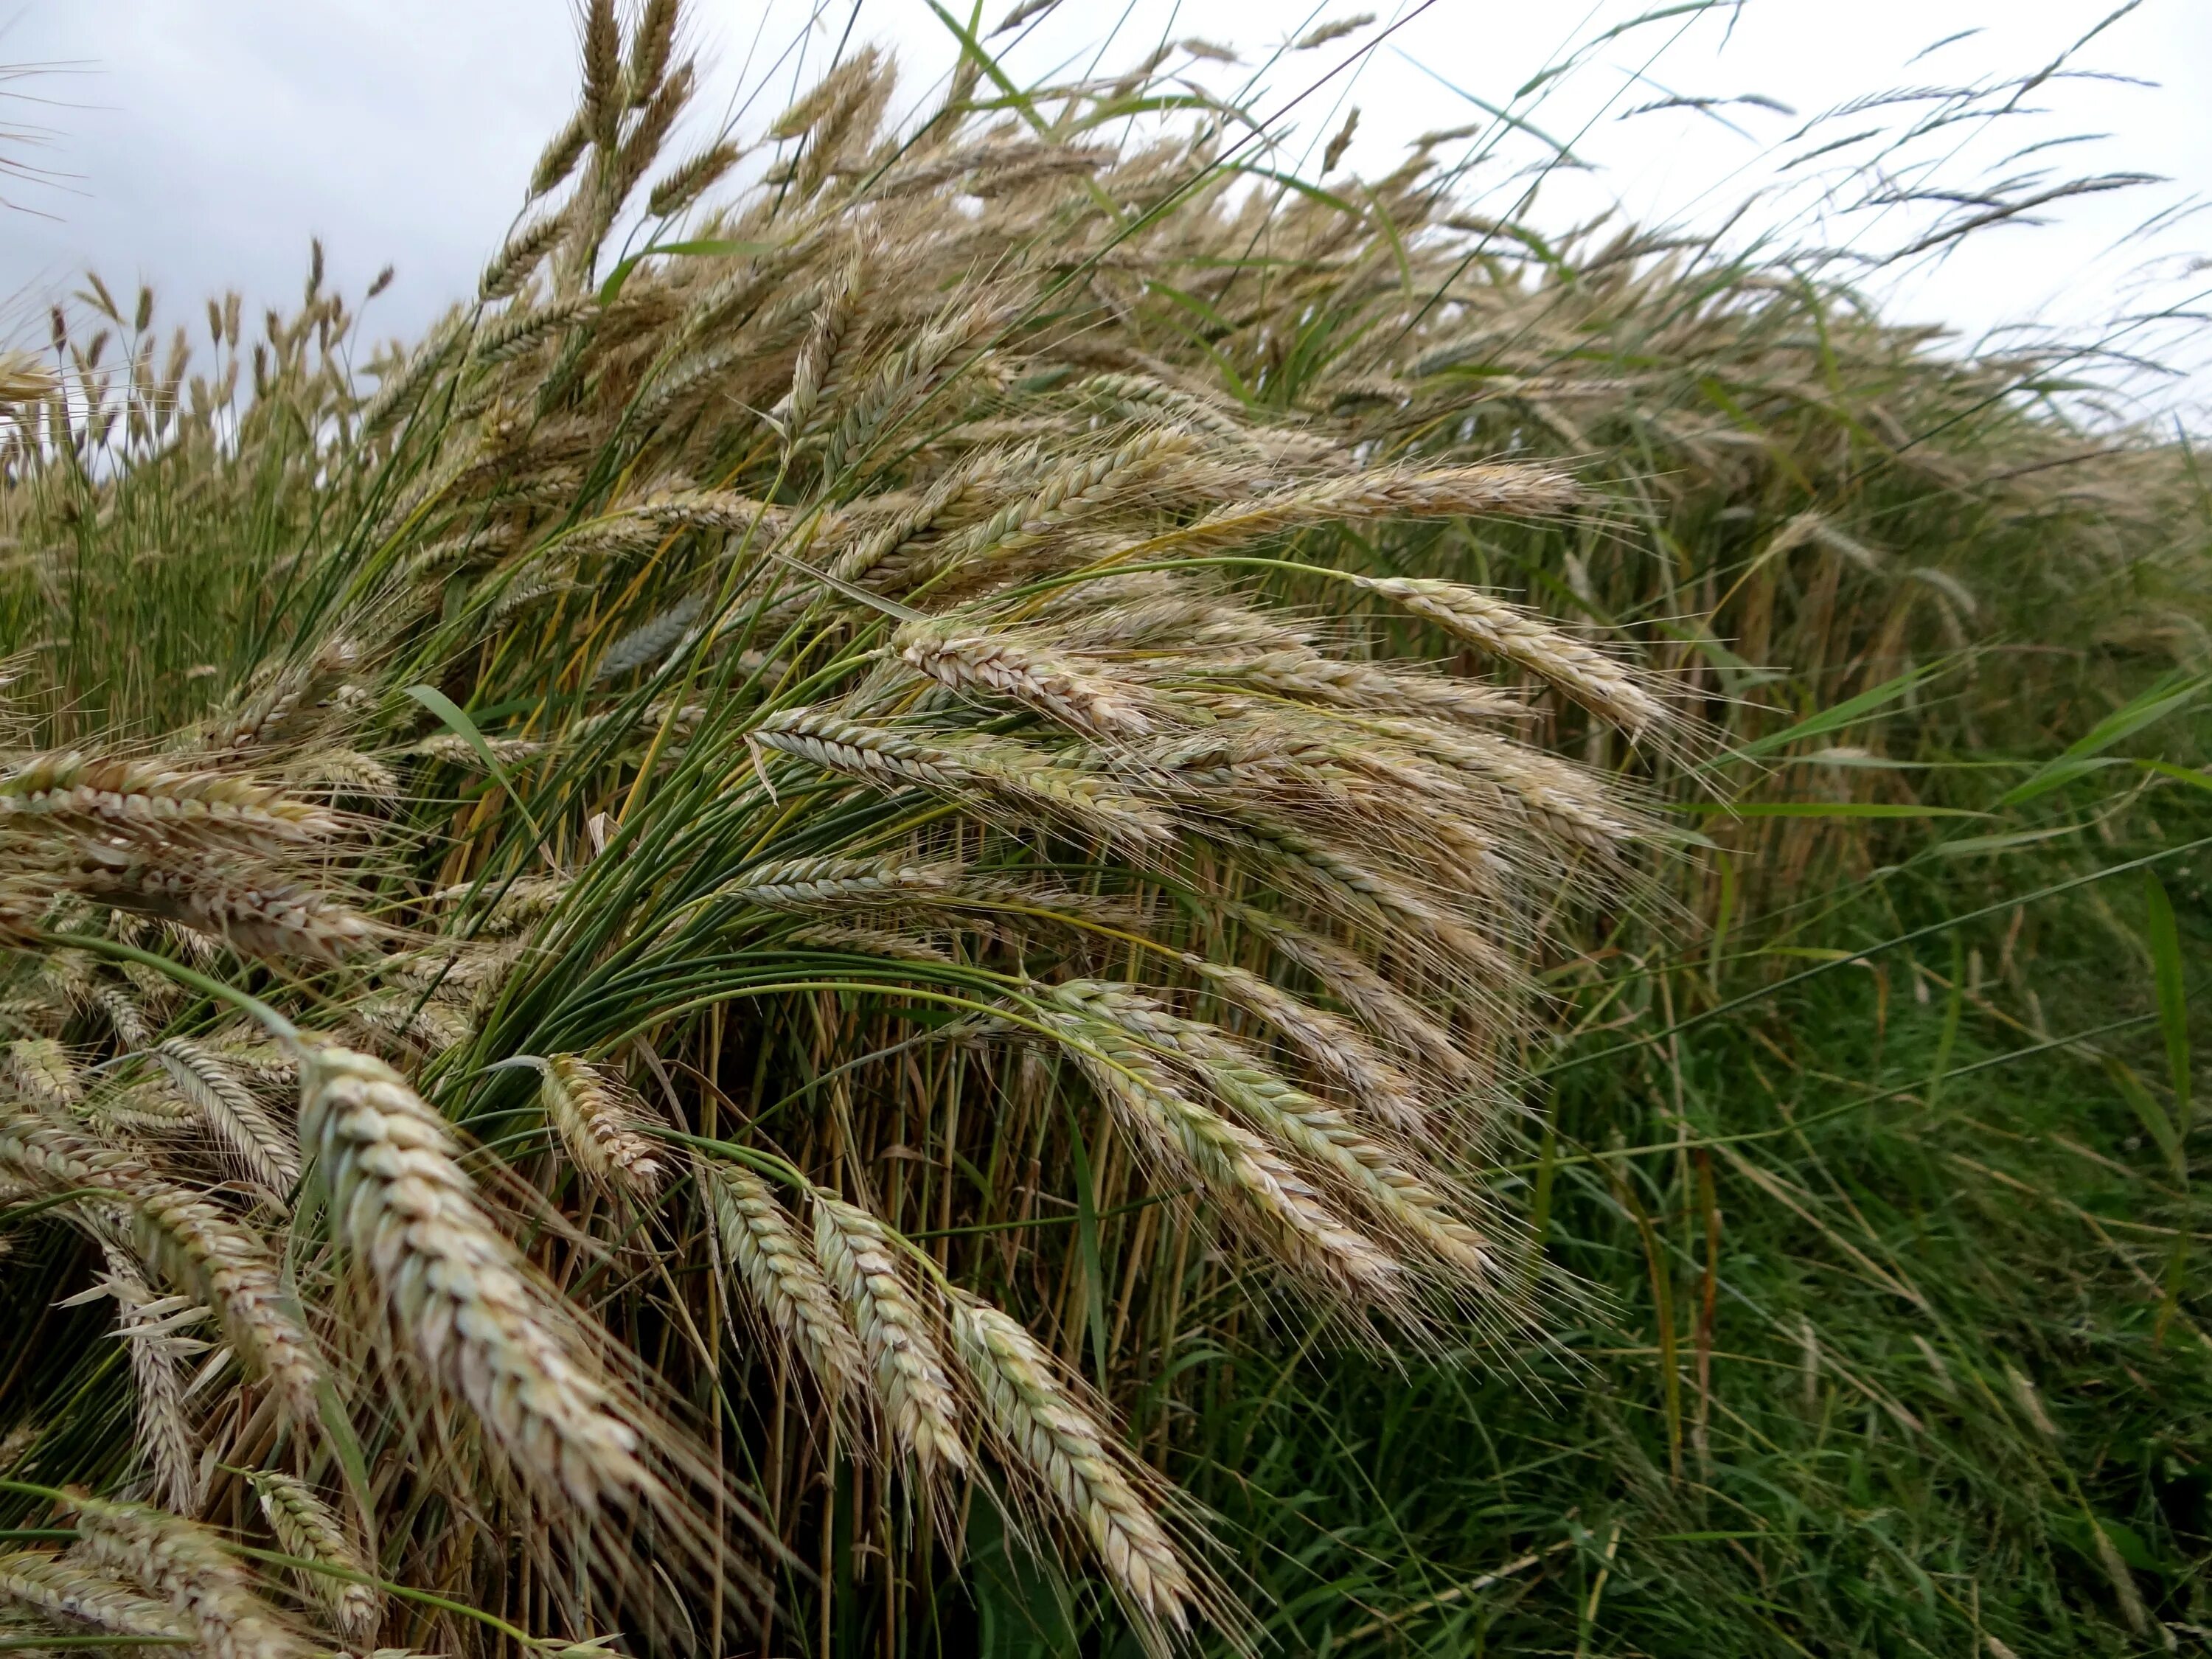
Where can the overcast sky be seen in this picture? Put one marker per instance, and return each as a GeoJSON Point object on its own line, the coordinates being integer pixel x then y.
{"type": "Point", "coordinates": [198, 144]}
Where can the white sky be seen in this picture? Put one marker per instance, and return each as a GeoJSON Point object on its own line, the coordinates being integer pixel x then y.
{"type": "Point", "coordinates": [199, 143]}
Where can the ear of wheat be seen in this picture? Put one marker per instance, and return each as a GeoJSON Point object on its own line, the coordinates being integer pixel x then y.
{"type": "Point", "coordinates": [457, 1289]}
{"type": "Point", "coordinates": [307, 1527]}
{"type": "Point", "coordinates": [182, 1563]}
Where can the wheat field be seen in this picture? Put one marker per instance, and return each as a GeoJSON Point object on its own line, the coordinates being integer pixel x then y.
{"type": "Point", "coordinates": [742, 956]}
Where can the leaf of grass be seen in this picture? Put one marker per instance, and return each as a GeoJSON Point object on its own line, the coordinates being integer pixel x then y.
{"type": "Point", "coordinates": [1825, 809]}
{"type": "Point", "coordinates": [1846, 712]}
{"type": "Point", "coordinates": [2188, 774]}
{"type": "Point", "coordinates": [973, 48]}
{"type": "Point", "coordinates": [2153, 1116]}
{"type": "Point", "coordinates": [2173, 1005]}
{"type": "Point", "coordinates": [708, 245]}
{"type": "Point", "coordinates": [1086, 1227]}
{"type": "Point", "coordinates": [458, 721]}
{"type": "Point", "coordinates": [1967, 845]}
{"type": "Point", "coordinates": [1953, 1006]}
{"type": "Point", "coordinates": [2147, 710]}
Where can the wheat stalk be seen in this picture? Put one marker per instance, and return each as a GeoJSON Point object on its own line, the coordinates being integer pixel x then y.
{"type": "Point", "coordinates": [43, 1070]}
{"type": "Point", "coordinates": [1309, 676]}
{"type": "Point", "coordinates": [965, 658]}
{"type": "Point", "coordinates": [278, 919]}
{"type": "Point", "coordinates": [1334, 1046]}
{"type": "Point", "coordinates": [883, 756]}
{"type": "Point", "coordinates": [809, 884]}
{"type": "Point", "coordinates": [1382, 493]}
{"type": "Point", "coordinates": [1376, 1174]}
{"type": "Point", "coordinates": [147, 802]}
{"type": "Point", "coordinates": [23, 380]}
{"type": "Point", "coordinates": [165, 1432]}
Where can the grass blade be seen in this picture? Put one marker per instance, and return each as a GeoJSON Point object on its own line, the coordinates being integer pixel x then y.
{"type": "Point", "coordinates": [2135, 715]}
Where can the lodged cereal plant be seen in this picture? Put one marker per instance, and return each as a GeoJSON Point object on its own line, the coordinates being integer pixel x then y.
{"type": "Point", "coordinates": [697, 950]}
{"type": "Point", "coordinates": [774, 795]}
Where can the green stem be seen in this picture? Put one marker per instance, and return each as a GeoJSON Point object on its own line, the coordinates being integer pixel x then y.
{"type": "Point", "coordinates": [278, 1026]}
{"type": "Point", "coordinates": [29, 1644]}
{"type": "Point", "coordinates": [330, 1570]}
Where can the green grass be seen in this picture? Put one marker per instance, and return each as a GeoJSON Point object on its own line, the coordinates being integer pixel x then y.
{"type": "Point", "coordinates": [1866, 1473]}
{"type": "Point", "coordinates": [1939, 1356]}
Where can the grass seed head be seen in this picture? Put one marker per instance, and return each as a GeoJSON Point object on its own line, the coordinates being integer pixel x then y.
{"type": "Point", "coordinates": [1036, 1413]}
{"type": "Point", "coordinates": [784, 1280]}
{"type": "Point", "coordinates": [308, 1528]}
{"type": "Point", "coordinates": [600, 1119]}
{"type": "Point", "coordinates": [64, 1585]}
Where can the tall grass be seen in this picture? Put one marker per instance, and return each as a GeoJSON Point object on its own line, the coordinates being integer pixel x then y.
{"type": "Point", "coordinates": [918, 917]}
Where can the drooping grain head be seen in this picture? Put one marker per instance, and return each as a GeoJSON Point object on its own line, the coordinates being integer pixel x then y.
{"type": "Point", "coordinates": [454, 1289]}
{"type": "Point", "coordinates": [601, 1121]}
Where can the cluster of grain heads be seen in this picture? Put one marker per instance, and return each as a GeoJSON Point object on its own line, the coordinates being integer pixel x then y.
{"type": "Point", "coordinates": [188, 1235]}
{"type": "Point", "coordinates": [1159, 1109]}
{"type": "Point", "coordinates": [862, 1261]}
{"type": "Point", "coordinates": [208, 847]}
{"type": "Point", "coordinates": [1092, 704]}
{"type": "Point", "coordinates": [1598, 682]}
{"type": "Point", "coordinates": [784, 1282]}
{"type": "Point", "coordinates": [186, 1566]}
{"type": "Point", "coordinates": [880, 1333]}
{"type": "Point", "coordinates": [143, 802]}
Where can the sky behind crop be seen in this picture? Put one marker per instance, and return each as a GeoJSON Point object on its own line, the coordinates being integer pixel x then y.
{"type": "Point", "coordinates": [198, 144]}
